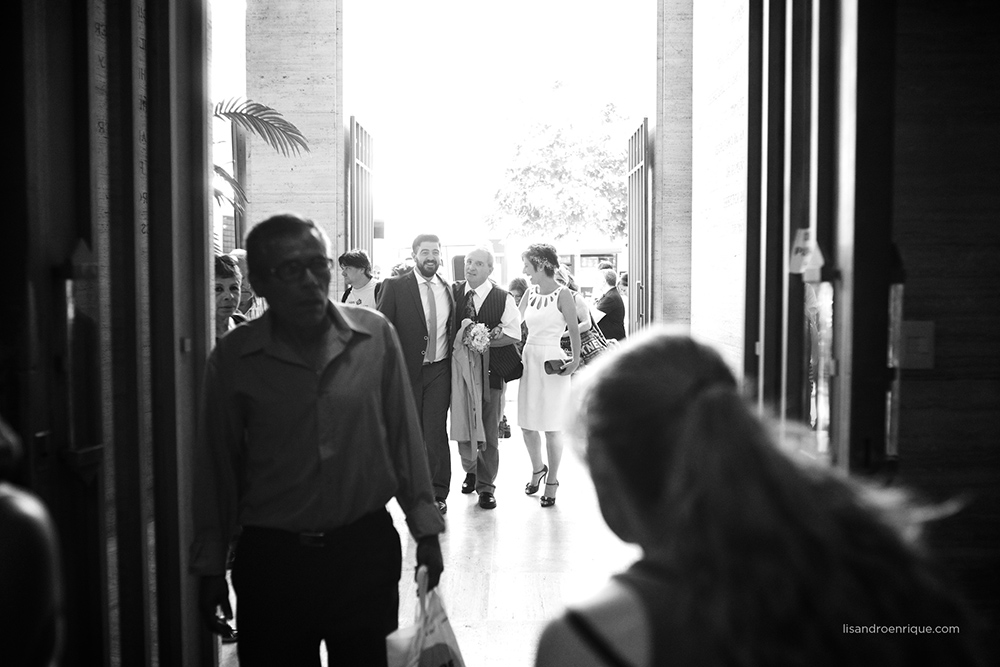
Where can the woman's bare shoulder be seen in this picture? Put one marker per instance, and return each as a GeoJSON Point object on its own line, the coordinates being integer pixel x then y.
{"type": "Point", "coordinates": [616, 613]}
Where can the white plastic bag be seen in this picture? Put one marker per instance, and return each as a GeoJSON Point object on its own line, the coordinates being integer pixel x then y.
{"type": "Point", "coordinates": [430, 641]}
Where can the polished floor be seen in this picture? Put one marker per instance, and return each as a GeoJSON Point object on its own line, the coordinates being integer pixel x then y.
{"type": "Point", "coordinates": [509, 569]}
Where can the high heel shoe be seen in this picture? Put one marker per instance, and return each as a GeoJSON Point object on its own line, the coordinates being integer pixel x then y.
{"type": "Point", "coordinates": [532, 488]}
{"type": "Point", "coordinates": [547, 500]}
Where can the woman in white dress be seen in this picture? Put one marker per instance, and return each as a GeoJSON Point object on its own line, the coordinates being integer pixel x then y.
{"type": "Point", "coordinates": [543, 400]}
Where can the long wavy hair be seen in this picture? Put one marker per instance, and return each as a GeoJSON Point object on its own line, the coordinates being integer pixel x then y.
{"type": "Point", "coordinates": [771, 558]}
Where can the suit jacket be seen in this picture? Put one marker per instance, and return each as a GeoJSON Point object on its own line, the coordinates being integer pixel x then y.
{"type": "Point", "coordinates": [612, 325]}
{"type": "Point", "coordinates": [400, 302]}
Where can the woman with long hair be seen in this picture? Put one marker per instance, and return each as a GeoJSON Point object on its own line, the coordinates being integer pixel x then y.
{"type": "Point", "coordinates": [543, 397]}
{"type": "Point", "coordinates": [750, 556]}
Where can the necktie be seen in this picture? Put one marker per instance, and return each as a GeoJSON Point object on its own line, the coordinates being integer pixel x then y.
{"type": "Point", "coordinates": [470, 305]}
{"type": "Point", "coordinates": [432, 323]}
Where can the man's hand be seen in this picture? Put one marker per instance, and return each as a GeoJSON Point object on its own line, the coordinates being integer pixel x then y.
{"type": "Point", "coordinates": [213, 592]}
{"type": "Point", "coordinates": [429, 554]}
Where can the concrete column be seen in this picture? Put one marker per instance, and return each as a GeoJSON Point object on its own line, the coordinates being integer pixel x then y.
{"type": "Point", "coordinates": [295, 55]}
{"type": "Point", "coordinates": [672, 173]}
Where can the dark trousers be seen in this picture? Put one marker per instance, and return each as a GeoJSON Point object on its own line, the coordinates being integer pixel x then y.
{"type": "Point", "coordinates": [484, 463]}
{"type": "Point", "coordinates": [432, 393]}
{"type": "Point", "coordinates": [293, 592]}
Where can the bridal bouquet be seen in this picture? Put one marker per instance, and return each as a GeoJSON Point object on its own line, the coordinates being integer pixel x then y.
{"type": "Point", "coordinates": [477, 337]}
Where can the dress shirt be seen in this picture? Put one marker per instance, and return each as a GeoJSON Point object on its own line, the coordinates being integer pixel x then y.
{"type": "Point", "coordinates": [440, 289]}
{"type": "Point", "coordinates": [281, 445]}
{"type": "Point", "coordinates": [510, 321]}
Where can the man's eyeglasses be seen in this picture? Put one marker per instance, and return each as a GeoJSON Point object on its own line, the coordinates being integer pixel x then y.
{"type": "Point", "coordinates": [294, 270]}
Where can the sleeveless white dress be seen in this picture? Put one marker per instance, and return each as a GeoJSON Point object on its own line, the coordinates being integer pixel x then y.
{"type": "Point", "coordinates": [543, 401]}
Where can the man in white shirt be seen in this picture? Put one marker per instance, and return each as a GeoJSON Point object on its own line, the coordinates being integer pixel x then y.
{"type": "Point", "coordinates": [420, 305]}
{"type": "Point", "coordinates": [478, 299]}
{"type": "Point", "coordinates": [362, 289]}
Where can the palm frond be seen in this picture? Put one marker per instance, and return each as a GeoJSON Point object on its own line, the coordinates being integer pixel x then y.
{"type": "Point", "coordinates": [241, 195]}
{"type": "Point", "coordinates": [265, 122]}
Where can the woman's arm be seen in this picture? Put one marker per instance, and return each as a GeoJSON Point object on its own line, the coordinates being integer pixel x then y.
{"type": "Point", "coordinates": [567, 306]}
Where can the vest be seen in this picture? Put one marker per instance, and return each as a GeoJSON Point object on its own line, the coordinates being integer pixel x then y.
{"type": "Point", "coordinates": [490, 312]}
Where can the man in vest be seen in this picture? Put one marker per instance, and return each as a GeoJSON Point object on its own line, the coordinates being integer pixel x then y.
{"type": "Point", "coordinates": [478, 299]}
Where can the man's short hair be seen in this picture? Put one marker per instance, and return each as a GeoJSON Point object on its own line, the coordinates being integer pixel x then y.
{"type": "Point", "coordinates": [425, 238]}
{"type": "Point", "coordinates": [265, 234]}
{"type": "Point", "coordinates": [489, 254]}
{"type": "Point", "coordinates": [605, 264]}
{"type": "Point", "coordinates": [356, 259]}
{"type": "Point", "coordinates": [610, 277]}
{"type": "Point", "coordinates": [226, 267]}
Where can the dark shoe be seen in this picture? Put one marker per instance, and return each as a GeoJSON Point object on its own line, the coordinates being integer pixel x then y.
{"type": "Point", "coordinates": [228, 633]}
{"type": "Point", "coordinates": [469, 485]}
{"type": "Point", "coordinates": [504, 428]}
{"type": "Point", "coordinates": [547, 500]}
{"type": "Point", "coordinates": [487, 501]}
{"type": "Point", "coordinates": [442, 505]}
{"type": "Point", "coordinates": [531, 487]}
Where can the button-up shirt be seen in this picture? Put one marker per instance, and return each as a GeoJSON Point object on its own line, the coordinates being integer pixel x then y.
{"type": "Point", "coordinates": [510, 321]}
{"type": "Point", "coordinates": [282, 445]}
{"type": "Point", "coordinates": [443, 307]}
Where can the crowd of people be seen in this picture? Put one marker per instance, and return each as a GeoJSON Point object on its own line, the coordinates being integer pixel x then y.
{"type": "Point", "coordinates": [316, 413]}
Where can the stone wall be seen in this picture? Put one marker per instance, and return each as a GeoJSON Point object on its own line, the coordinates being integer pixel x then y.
{"type": "Point", "coordinates": [295, 64]}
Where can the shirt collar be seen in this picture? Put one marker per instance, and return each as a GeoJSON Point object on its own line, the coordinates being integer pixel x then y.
{"type": "Point", "coordinates": [421, 280]}
{"type": "Point", "coordinates": [482, 290]}
{"type": "Point", "coordinates": [260, 331]}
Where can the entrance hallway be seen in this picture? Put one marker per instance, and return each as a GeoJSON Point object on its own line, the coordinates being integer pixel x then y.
{"type": "Point", "coordinates": [510, 569]}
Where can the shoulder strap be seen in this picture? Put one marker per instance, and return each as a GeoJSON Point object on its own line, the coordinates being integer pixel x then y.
{"type": "Point", "coordinates": [343, 297]}
{"type": "Point", "coordinates": [597, 644]}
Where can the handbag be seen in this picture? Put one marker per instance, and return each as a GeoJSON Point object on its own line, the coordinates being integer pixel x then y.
{"type": "Point", "coordinates": [592, 343]}
{"type": "Point", "coordinates": [430, 641]}
{"type": "Point", "coordinates": [507, 362]}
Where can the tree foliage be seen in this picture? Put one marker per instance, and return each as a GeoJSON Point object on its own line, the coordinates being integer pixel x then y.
{"type": "Point", "coordinates": [566, 178]}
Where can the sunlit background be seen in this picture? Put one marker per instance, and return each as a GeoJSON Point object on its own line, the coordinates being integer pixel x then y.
{"type": "Point", "coordinates": [449, 89]}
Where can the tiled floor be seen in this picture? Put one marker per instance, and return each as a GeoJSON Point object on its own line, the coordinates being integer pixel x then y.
{"type": "Point", "coordinates": [508, 570]}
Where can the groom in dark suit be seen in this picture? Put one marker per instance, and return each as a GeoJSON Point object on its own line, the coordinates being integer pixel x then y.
{"type": "Point", "coordinates": [420, 305]}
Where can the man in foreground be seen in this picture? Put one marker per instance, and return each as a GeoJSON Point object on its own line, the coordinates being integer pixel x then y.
{"type": "Point", "coordinates": [307, 429]}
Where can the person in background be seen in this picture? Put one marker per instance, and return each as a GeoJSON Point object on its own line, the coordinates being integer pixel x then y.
{"type": "Point", "coordinates": [31, 599]}
{"type": "Point", "coordinates": [251, 305]}
{"type": "Point", "coordinates": [604, 265]}
{"type": "Point", "coordinates": [362, 288]}
{"type": "Point", "coordinates": [518, 286]}
{"type": "Point", "coordinates": [404, 267]}
{"type": "Point", "coordinates": [228, 279]}
{"type": "Point", "coordinates": [612, 325]}
{"type": "Point", "coordinates": [543, 396]}
{"type": "Point", "coordinates": [420, 305]}
{"type": "Point", "coordinates": [750, 556]}
{"type": "Point", "coordinates": [565, 278]}
{"type": "Point", "coordinates": [307, 428]}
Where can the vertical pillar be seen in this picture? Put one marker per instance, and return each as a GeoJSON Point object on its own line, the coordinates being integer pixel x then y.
{"type": "Point", "coordinates": [295, 65]}
{"type": "Point", "coordinates": [672, 168]}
